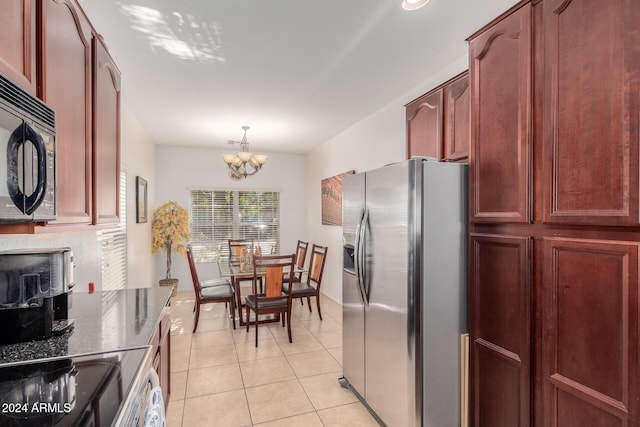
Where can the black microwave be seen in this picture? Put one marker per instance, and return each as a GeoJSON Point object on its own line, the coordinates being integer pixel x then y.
{"type": "Point", "coordinates": [27, 157]}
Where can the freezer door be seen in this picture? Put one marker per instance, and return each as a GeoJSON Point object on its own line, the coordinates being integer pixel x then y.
{"type": "Point", "coordinates": [353, 204]}
{"type": "Point", "coordinates": [392, 340]}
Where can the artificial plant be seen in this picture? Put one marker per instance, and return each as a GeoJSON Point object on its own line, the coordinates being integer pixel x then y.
{"type": "Point", "coordinates": [170, 227]}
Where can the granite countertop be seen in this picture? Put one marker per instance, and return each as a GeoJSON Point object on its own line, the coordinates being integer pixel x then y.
{"type": "Point", "coordinates": [103, 322]}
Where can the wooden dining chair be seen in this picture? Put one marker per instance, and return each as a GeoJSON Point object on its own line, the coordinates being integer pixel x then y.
{"type": "Point", "coordinates": [273, 300]}
{"type": "Point", "coordinates": [235, 250]}
{"type": "Point", "coordinates": [220, 281]}
{"type": "Point", "coordinates": [301, 257]}
{"type": "Point", "coordinates": [310, 288]}
{"type": "Point", "coordinates": [222, 292]}
{"type": "Point", "coordinates": [237, 245]}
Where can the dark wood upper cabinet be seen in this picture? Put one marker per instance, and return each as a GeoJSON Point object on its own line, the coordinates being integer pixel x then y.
{"type": "Point", "coordinates": [500, 152]}
{"type": "Point", "coordinates": [66, 87]}
{"type": "Point", "coordinates": [48, 47]}
{"type": "Point", "coordinates": [438, 121]}
{"type": "Point", "coordinates": [106, 135]}
{"type": "Point", "coordinates": [18, 43]}
{"type": "Point", "coordinates": [591, 110]}
{"type": "Point", "coordinates": [457, 110]}
{"type": "Point", "coordinates": [424, 126]}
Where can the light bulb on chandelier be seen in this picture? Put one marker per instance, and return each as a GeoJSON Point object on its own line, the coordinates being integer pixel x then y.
{"type": "Point", "coordinates": [243, 163]}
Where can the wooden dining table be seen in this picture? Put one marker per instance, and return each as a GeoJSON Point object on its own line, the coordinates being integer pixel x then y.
{"type": "Point", "coordinates": [231, 268]}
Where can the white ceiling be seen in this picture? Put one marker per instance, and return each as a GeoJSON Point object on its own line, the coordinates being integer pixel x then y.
{"type": "Point", "coordinates": [297, 72]}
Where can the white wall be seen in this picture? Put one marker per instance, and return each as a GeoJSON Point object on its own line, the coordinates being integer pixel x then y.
{"type": "Point", "coordinates": [137, 156]}
{"type": "Point", "coordinates": [179, 168]}
{"type": "Point", "coordinates": [377, 140]}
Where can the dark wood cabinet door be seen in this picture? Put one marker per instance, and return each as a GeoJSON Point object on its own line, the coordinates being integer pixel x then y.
{"type": "Point", "coordinates": [66, 85]}
{"type": "Point", "coordinates": [500, 152]}
{"type": "Point", "coordinates": [590, 318]}
{"type": "Point", "coordinates": [457, 101]}
{"type": "Point", "coordinates": [106, 135]}
{"type": "Point", "coordinates": [18, 43]}
{"type": "Point", "coordinates": [424, 126]}
{"type": "Point", "coordinates": [591, 110]}
{"type": "Point", "coordinates": [499, 328]}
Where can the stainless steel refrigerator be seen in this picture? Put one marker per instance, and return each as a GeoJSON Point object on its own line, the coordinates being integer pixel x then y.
{"type": "Point", "coordinates": [404, 290]}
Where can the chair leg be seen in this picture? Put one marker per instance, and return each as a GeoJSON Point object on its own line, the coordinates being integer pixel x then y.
{"type": "Point", "coordinates": [197, 310]}
{"type": "Point", "coordinates": [308, 303]}
{"type": "Point", "coordinates": [248, 314]}
{"type": "Point", "coordinates": [257, 329]}
{"type": "Point", "coordinates": [318, 304]}
{"type": "Point", "coordinates": [288, 314]}
{"type": "Point", "coordinates": [233, 312]}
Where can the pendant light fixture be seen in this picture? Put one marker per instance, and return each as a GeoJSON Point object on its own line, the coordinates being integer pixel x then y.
{"type": "Point", "coordinates": [243, 163]}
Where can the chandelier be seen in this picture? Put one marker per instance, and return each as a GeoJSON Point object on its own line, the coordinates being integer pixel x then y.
{"type": "Point", "coordinates": [243, 164]}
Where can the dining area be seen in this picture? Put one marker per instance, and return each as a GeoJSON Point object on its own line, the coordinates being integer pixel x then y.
{"type": "Point", "coordinates": [259, 288]}
{"type": "Point", "coordinates": [219, 375]}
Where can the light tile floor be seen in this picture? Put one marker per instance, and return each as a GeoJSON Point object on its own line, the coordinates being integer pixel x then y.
{"type": "Point", "coordinates": [219, 377]}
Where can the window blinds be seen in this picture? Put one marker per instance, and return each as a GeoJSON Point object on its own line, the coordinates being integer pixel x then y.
{"type": "Point", "coordinates": [219, 215]}
{"type": "Point", "coordinates": [113, 245]}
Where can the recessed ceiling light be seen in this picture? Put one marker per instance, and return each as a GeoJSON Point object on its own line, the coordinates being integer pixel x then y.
{"type": "Point", "coordinates": [413, 4]}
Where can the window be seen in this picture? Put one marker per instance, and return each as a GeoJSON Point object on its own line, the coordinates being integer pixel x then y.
{"type": "Point", "coordinates": [216, 216]}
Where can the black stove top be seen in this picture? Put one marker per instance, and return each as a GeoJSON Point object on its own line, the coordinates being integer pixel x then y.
{"type": "Point", "coordinates": [78, 391]}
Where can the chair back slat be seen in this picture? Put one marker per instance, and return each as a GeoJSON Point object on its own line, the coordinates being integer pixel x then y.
{"type": "Point", "coordinates": [273, 277]}
{"type": "Point", "coordinates": [316, 265]}
{"type": "Point", "coordinates": [301, 253]}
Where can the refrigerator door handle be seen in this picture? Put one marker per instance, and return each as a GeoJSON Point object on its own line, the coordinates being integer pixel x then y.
{"type": "Point", "coordinates": [365, 281]}
{"type": "Point", "coordinates": [358, 256]}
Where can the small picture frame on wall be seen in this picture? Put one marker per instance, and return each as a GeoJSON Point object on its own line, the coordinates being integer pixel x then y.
{"type": "Point", "coordinates": [141, 200]}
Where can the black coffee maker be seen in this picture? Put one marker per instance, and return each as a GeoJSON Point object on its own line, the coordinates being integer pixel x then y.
{"type": "Point", "coordinates": [35, 293]}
